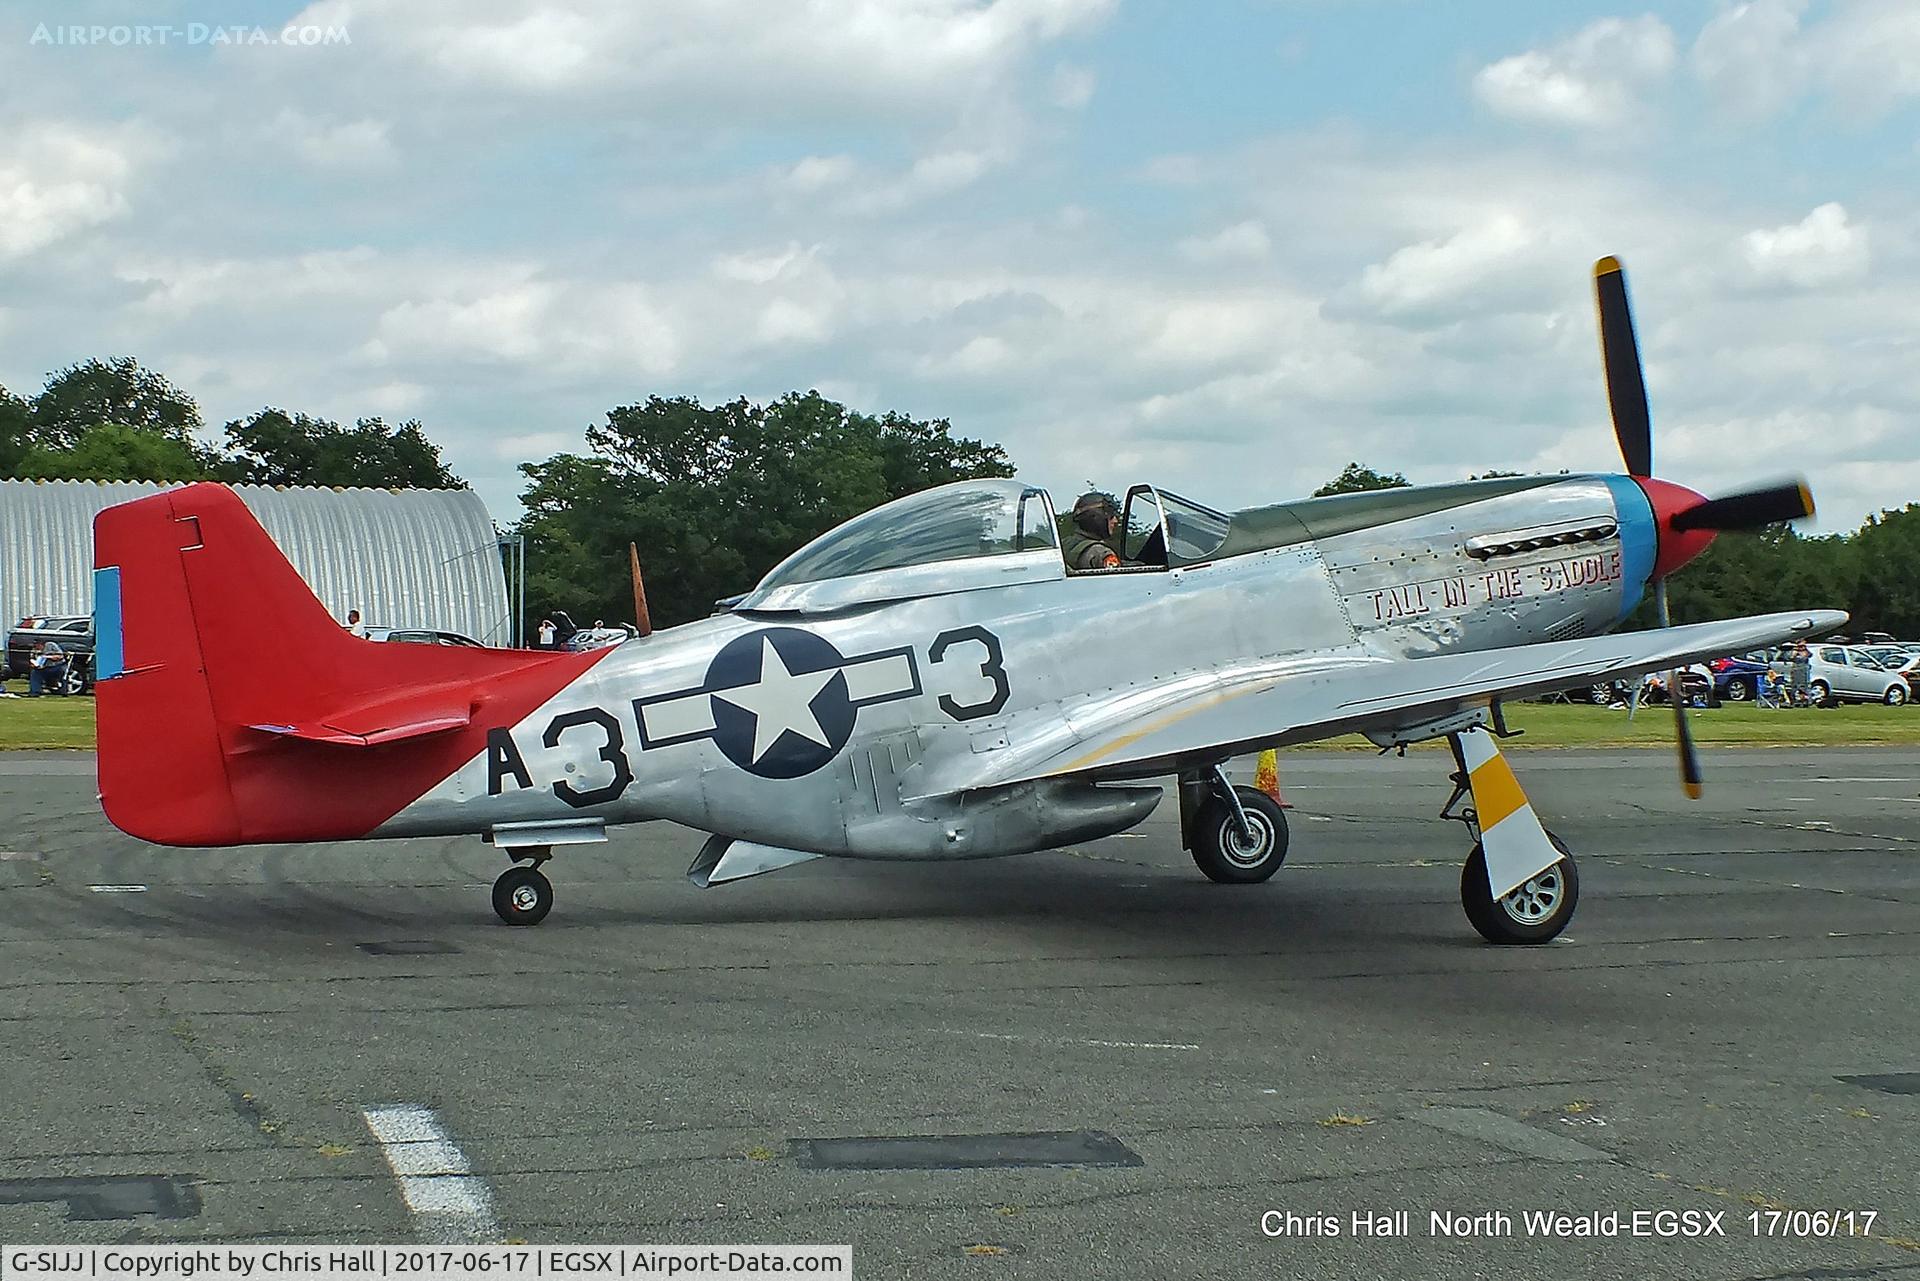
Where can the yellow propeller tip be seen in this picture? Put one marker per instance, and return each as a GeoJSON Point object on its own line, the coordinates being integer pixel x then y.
{"type": "Point", "coordinates": [1806, 500]}
{"type": "Point", "coordinates": [1608, 266]}
{"type": "Point", "coordinates": [1693, 790]}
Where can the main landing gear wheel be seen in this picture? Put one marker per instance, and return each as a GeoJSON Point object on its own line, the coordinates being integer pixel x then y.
{"type": "Point", "coordinates": [1231, 857]}
{"type": "Point", "coordinates": [523, 896]}
{"type": "Point", "coordinates": [1534, 913]}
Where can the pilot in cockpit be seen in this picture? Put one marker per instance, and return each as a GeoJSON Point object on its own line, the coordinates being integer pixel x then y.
{"type": "Point", "coordinates": [1095, 539]}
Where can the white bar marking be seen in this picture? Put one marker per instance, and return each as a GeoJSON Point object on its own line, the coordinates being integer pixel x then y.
{"type": "Point", "coordinates": [450, 1206]}
{"type": "Point", "coordinates": [687, 717]}
{"type": "Point", "coordinates": [878, 677]}
{"type": "Point", "coordinates": [118, 889]}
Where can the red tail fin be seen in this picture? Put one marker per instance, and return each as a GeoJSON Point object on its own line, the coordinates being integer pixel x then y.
{"type": "Point", "coordinates": [239, 711]}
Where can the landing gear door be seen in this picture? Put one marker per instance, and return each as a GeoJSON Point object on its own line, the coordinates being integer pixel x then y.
{"type": "Point", "coordinates": [1143, 527]}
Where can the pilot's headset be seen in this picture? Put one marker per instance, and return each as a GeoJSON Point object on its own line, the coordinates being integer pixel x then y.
{"type": "Point", "coordinates": [1092, 512]}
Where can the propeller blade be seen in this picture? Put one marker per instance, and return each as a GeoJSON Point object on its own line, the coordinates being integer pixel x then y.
{"type": "Point", "coordinates": [1620, 353]}
{"type": "Point", "coordinates": [1690, 780]}
{"type": "Point", "coordinates": [1749, 509]}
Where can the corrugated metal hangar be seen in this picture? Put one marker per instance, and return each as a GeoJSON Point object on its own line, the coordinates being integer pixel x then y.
{"type": "Point", "coordinates": [402, 557]}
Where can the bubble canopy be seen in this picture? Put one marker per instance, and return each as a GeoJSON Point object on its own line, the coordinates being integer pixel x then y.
{"type": "Point", "coordinates": [943, 529]}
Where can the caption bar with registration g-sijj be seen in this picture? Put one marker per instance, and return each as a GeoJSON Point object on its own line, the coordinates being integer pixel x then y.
{"type": "Point", "coordinates": [417, 1263]}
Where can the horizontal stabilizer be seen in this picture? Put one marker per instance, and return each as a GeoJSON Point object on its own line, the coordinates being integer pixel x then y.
{"type": "Point", "coordinates": [724, 859]}
{"type": "Point", "coordinates": [387, 721]}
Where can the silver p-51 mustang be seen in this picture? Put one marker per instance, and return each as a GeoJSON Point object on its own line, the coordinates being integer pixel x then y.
{"type": "Point", "coordinates": [906, 686]}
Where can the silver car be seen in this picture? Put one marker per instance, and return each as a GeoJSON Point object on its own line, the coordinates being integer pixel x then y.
{"type": "Point", "coordinates": [1847, 672]}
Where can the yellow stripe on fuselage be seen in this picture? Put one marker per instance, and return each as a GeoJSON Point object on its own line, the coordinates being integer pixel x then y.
{"type": "Point", "coordinates": [1496, 792]}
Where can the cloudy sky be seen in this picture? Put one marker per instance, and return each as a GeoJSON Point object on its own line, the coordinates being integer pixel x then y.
{"type": "Point", "coordinates": [1223, 247]}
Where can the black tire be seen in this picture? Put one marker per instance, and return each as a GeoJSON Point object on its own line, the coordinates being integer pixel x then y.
{"type": "Point", "coordinates": [1226, 857]}
{"type": "Point", "coordinates": [1519, 917]}
{"type": "Point", "coordinates": [1740, 690]}
{"type": "Point", "coordinates": [1895, 696]}
{"type": "Point", "coordinates": [523, 896]}
{"type": "Point", "coordinates": [1822, 694]}
{"type": "Point", "coordinates": [1600, 695]}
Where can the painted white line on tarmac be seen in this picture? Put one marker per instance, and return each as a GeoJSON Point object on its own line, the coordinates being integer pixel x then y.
{"type": "Point", "coordinates": [1074, 1040]}
{"type": "Point", "coordinates": [118, 889]}
{"type": "Point", "coordinates": [450, 1206]}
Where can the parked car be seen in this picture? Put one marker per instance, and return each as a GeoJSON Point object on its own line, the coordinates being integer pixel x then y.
{"type": "Point", "coordinates": [73, 633]}
{"type": "Point", "coordinates": [600, 637]}
{"type": "Point", "coordinates": [1738, 679]}
{"type": "Point", "coordinates": [421, 636]}
{"type": "Point", "coordinates": [1840, 673]}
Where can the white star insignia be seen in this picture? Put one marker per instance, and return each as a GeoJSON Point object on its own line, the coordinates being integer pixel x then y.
{"type": "Point", "coordinates": [780, 701]}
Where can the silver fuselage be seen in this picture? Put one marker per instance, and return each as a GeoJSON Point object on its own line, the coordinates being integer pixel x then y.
{"type": "Point", "coordinates": [941, 668]}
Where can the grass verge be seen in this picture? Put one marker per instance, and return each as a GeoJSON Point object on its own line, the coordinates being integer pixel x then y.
{"type": "Point", "coordinates": [44, 722]}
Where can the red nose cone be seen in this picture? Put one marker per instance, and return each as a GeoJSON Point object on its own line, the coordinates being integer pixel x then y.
{"type": "Point", "coordinates": [1677, 547]}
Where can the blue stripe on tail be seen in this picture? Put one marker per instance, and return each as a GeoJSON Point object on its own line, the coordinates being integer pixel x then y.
{"type": "Point", "coordinates": [109, 649]}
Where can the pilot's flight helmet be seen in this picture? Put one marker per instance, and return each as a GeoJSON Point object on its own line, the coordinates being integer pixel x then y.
{"type": "Point", "coordinates": [1092, 511]}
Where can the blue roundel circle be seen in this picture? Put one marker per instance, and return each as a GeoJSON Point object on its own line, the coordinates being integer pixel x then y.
{"type": "Point", "coordinates": [780, 704]}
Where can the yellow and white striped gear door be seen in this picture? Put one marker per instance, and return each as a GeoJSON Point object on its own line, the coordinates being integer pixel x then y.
{"type": "Point", "coordinates": [1515, 845]}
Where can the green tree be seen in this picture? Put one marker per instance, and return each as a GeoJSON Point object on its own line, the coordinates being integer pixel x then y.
{"type": "Point", "coordinates": [116, 390]}
{"type": "Point", "coordinates": [274, 447]}
{"type": "Point", "coordinates": [114, 451]}
{"type": "Point", "coordinates": [16, 429]}
{"type": "Point", "coordinates": [714, 496]}
{"type": "Point", "coordinates": [1357, 477]}
{"type": "Point", "coordinates": [1886, 594]}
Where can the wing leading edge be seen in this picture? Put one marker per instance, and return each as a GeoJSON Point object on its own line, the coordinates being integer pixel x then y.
{"type": "Point", "coordinates": [1209, 716]}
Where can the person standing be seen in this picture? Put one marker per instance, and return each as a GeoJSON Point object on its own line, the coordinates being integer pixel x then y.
{"type": "Point", "coordinates": [1799, 674]}
{"type": "Point", "coordinates": [544, 634]}
{"type": "Point", "coordinates": [354, 626]}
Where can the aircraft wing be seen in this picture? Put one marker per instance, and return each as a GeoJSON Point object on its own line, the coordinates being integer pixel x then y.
{"type": "Point", "coordinates": [1208, 716]}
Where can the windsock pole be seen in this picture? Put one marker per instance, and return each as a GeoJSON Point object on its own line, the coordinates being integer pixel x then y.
{"type": "Point", "coordinates": [642, 619]}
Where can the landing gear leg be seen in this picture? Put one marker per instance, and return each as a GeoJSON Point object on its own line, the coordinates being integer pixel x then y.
{"type": "Point", "coordinates": [1238, 835]}
{"type": "Point", "coordinates": [1519, 884]}
{"type": "Point", "coordinates": [523, 895]}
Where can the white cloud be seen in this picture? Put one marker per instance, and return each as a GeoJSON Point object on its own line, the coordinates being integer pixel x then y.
{"type": "Point", "coordinates": [938, 174]}
{"type": "Point", "coordinates": [57, 180]}
{"type": "Point", "coordinates": [1758, 57]}
{"type": "Point", "coordinates": [1242, 242]}
{"type": "Point", "coordinates": [1072, 87]}
{"type": "Point", "coordinates": [1823, 248]}
{"type": "Point", "coordinates": [728, 56]}
{"type": "Point", "coordinates": [1868, 53]}
{"type": "Point", "coordinates": [329, 144]}
{"type": "Point", "coordinates": [1751, 56]}
{"type": "Point", "coordinates": [1591, 80]}
{"type": "Point", "coordinates": [761, 267]}
{"type": "Point", "coordinates": [1444, 271]}
{"type": "Point", "coordinates": [818, 173]}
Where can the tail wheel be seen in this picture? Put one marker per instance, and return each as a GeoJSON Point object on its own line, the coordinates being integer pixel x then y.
{"type": "Point", "coordinates": [1225, 854]}
{"type": "Point", "coordinates": [1534, 912]}
{"type": "Point", "coordinates": [523, 896]}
